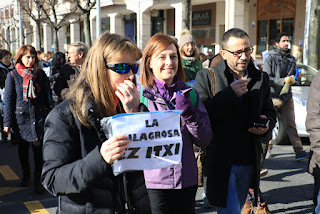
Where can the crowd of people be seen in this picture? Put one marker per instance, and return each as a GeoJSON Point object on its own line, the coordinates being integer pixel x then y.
{"type": "Point", "coordinates": [55, 104]}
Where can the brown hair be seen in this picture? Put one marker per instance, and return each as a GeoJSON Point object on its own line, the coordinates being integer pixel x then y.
{"type": "Point", "coordinates": [4, 53]}
{"type": "Point", "coordinates": [158, 43]}
{"type": "Point", "coordinates": [25, 49]}
{"type": "Point", "coordinates": [93, 83]}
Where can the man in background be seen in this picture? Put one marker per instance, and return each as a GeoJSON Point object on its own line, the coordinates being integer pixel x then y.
{"type": "Point", "coordinates": [280, 66]}
{"type": "Point", "coordinates": [69, 72]}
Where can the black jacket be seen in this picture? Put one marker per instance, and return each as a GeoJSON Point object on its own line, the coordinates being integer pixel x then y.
{"type": "Point", "coordinates": [67, 75]}
{"type": "Point", "coordinates": [3, 73]}
{"type": "Point", "coordinates": [26, 118]}
{"type": "Point", "coordinates": [220, 109]}
{"type": "Point", "coordinates": [75, 170]}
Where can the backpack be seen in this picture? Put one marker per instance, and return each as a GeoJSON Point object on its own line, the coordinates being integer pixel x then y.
{"type": "Point", "coordinates": [193, 97]}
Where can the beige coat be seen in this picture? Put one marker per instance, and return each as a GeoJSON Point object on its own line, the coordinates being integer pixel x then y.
{"type": "Point", "coordinates": [313, 124]}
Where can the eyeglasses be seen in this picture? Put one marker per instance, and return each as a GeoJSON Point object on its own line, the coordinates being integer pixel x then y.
{"type": "Point", "coordinates": [247, 52]}
{"type": "Point", "coordinates": [123, 68]}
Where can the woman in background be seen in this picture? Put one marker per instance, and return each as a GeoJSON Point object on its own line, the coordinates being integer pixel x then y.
{"type": "Point", "coordinates": [26, 107]}
{"type": "Point", "coordinates": [190, 56]}
{"type": "Point", "coordinates": [5, 68]}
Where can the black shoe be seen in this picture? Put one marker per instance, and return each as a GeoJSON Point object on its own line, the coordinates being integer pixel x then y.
{"type": "Point", "coordinates": [302, 155]}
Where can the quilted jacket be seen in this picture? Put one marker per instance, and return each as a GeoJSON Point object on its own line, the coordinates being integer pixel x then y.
{"type": "Point", "coordinates": [26, 118]}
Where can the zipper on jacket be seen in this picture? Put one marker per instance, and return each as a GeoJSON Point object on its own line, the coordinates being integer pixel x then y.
{"type": "Point", "coordinates": [34, 122]}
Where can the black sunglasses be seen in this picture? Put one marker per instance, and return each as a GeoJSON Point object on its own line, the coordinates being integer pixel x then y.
{"type": "Point", "coordinates": [247, 52]}
{"type": "Point", "coordinates": [123, 68]}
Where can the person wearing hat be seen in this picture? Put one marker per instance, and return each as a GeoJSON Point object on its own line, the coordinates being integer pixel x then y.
{"type": "Point", "coordinates": [190, 55]}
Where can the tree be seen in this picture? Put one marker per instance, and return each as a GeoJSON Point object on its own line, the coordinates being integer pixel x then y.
{"type": "Point", "coordinates": [186, 14]}
{"type": "Point", "coordinates": [85, 7]}
{"type": "Point", "coordinates": [55, 20]}
{"type": "Point", "coordinates": [33, 10]}
{"type": "Point", "coordinates": [311, 49]}
{"type": "Point", "coordinates": [10, 24]}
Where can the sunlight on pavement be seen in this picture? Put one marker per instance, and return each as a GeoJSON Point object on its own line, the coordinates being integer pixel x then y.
{"type": "Point", "coordinates": [7, 190]}
{"type": "Point", "coordinates": [8, 173]}
{"type": "Point", "coordinates": [35, 207]}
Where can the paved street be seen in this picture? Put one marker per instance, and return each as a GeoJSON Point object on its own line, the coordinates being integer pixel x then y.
{"type": "Point", "coordinates": [287, 187]}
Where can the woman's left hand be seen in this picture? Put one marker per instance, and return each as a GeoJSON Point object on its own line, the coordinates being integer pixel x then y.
{"type": "Point", "coordinates": [128, 94]}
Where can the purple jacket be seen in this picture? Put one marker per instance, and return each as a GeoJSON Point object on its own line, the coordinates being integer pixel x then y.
{"type": "Point", "coordinates": [195, 128]}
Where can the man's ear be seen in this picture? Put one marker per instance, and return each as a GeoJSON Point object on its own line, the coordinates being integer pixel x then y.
{"type": "Point", "coordinates": [81, 54]}
{"type": "Point", "coordinates": [222, 53]}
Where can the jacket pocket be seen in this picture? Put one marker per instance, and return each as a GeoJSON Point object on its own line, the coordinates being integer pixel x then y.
{"type": "Point", "coordinates": [20, 114]}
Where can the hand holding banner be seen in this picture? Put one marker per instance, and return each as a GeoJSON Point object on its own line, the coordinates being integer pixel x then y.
{"type": "Point", "coordinates": [155, 137]}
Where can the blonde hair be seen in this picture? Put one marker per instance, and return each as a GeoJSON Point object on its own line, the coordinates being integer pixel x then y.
{"type": "Point", "coordinates": [93, 83]}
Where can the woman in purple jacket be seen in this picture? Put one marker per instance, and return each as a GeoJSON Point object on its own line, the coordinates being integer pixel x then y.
{"type": "Point", "coordinates": [173, 189]}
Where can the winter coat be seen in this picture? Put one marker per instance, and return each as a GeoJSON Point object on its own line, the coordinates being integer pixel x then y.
{"type": "Point", "coordinates": [221, 107]}
{"type": "Point", "coordinates": [195, 129]}
{"type": "Point", "coordinates": [272, 65]}
{"type": "Point", "coordinates": [3, 73]}
{"type": "Point", "coordinates": [67, 75]}
{"type": "Point", "coordinates": [75, 171]}
{"type": "Point", "coordinates": [26, 118]}
{"type": "Point", "coordinates": [191, 65]}
{"type": "Point", "coordinates": [313, 125]}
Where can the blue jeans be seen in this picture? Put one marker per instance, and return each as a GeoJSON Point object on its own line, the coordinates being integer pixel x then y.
{"type": "Point", "coordinates": [239, 182]}
{"type": "Point", "coordinates": [316, 195]}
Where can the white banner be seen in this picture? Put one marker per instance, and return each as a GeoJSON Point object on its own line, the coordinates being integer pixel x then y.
{"type": "Point", "coordinates": [156, 140]}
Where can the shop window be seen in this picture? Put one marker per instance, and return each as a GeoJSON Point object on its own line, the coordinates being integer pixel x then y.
{"type": "Point", "coordinates": [274, 16]}
{"type": "Point", "coordinates": [82, 36]}
{"type": "Point", "coordinates": [157, 19]}
{"type": "Point", "coordinates": [130, 27]}
{"type": "Point", "coordinates": [268, 31]}
{"type": "Point", "coordinates": [262, 36]}
{"type": "Point", "coordinates": [68, 34]}
{"type": "Point", "coordinates": [105, 25]}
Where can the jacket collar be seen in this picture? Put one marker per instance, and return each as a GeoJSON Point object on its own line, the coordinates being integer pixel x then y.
{"type": "Point", "coordinates": [153, 93]}
{"type": "Point", "coordinates": [223, 66]}
{"type": "Point", "coordinates": [278, 52]}
{"type": "Point", "coordinates": [10, 68]}
{"type": "Point", "coordinates": [95, 121]}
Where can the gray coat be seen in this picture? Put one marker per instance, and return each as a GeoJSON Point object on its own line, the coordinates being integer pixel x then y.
{"type": "Point", "coordinates": [272, 66]}
{"type": "Point", "coordinates": [313, 125]}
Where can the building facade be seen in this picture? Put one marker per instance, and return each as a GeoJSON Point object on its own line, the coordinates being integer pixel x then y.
{"type": "Point", "coordinates": [140, 19]}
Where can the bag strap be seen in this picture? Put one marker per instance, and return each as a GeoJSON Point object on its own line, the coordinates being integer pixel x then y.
{"type": "Point", "coordinates": [212, 81]}
{"type": "Point", "coordinates": [193, 96]}
{"type": "Point", "coordinates": [143, 99]}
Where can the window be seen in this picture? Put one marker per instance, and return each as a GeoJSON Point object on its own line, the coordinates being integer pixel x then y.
{"type": "Point", "coordinates": [274, 16]}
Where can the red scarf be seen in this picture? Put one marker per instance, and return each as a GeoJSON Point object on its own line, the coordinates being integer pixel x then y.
{"type": "Point", "coordinates": [29, 86]}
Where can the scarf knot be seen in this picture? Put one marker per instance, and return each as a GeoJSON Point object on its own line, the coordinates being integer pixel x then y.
{"type": "Point", "coordinates": [29, 86]}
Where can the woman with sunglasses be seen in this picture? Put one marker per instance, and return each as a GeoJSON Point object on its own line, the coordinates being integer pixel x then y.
{"type": "Point", "coordinates": [26, 107]}
{"type": "Point", "coordinates": [77, 154]}
{"type": "Point", "coordinates": [173, 189]}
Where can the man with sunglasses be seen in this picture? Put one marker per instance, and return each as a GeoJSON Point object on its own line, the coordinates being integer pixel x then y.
{"type": "Point", "coordinates": [281, 65]}
{"type": "Point", "coordinates": [236, 96]}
